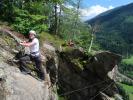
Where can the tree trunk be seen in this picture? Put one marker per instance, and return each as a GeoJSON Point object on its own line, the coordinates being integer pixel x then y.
{"type": "Point", "coordinates": [92, 38]}
{"type": "Point", "coordinates": [56, 19]}
{"type": "Point", "coordinates": [59, 21]}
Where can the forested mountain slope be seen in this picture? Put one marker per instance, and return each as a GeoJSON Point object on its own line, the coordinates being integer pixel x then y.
{"type": "Point", "coordinates": [116, 32]}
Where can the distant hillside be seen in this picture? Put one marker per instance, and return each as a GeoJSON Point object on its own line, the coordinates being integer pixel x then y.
{"type": "Point", "coordinates": [116, 29]}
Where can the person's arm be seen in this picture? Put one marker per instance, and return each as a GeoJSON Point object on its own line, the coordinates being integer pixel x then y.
{"type": "Point", "coordinates": [27, 44]}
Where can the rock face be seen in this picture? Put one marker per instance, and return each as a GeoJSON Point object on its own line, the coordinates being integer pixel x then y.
{"type": "Point", "coordinates": [15, 85]}
{"type": "Point", "coordinates": [78, 76]}
{"type": "Point", "coordinates": [86, 78]}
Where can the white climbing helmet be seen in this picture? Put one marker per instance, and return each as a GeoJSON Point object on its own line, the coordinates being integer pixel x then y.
{"type": "Point", "coordinates": [32, 32]}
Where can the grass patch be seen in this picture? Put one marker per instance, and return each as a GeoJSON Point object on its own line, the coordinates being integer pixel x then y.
{"type": "Point", "coordinates": [78, 63]}
{"type": "Point", "coordinates": [61, 98]}
{"type": "Point", "coordinates": [128, 89]}
{"type": "Point", "coordinates": [131, 96]}
{"type": "Point", "coordinates": [128, 61]}
{"type": "Point", "coordinates": [53, 39]}
{"type": "Point", "coordinates": [126, 67]}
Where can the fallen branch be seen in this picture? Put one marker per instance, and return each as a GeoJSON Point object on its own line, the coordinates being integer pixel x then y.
{"type": "Point", "coordinates": [9, 33]}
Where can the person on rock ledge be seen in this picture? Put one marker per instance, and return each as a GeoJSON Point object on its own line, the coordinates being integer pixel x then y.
{"type": "Point", "coordinates": [34, 55]}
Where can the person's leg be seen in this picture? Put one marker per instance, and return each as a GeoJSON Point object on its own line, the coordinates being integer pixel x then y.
{"type": "Point", "coordinates": [23, 65]}
{"type": "Point", "coordinates": [40, 70]}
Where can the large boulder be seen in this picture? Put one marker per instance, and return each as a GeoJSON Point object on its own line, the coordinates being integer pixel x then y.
{"type": "Point", "coordinates": [102, 63]}
{"type": "Point", "coordinates": [14, 85]}
{"type": "Point", "coordinates": [18, 86]}
{"type": "Point", "coordinates": [83, 77]}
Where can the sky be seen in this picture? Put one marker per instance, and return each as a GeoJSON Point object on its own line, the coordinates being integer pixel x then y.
{"type": "Point", "coordinates": [91, 8]}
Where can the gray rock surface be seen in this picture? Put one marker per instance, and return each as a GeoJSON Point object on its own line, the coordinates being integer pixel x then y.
{"type": "Point", "coordinates": [15, 85]}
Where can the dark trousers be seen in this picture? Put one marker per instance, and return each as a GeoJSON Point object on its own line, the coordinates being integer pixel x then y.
{"type": "Point", "coordinates": [37, 60]}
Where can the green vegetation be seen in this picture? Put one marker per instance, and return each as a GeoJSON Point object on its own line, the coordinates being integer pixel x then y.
{"type": "Point", "coordinates": [128, 89]}
{"type": "Point", "coordinates": [126, 67]}
{"type": "Point", "coordinates": [24, 15]}
{"type": "Point", "coordinates": [53, 39]}
{"type": "Point", "coordinates": [116, 35]}
{"type": "Point", "coordinates": [49, 16]}
{"type": "Point", "coordinates": [116, 30]}
{"type": "Point", "coordinates": [22, 23]}
{"type": "Point", "coordinates": [78, 63]}
{"type": "Point", "coordinates": [61, 98]}
{"type": "Point", "coordinates": [128, 61]}
{"type": "Point", "coordinates": [58, 25]}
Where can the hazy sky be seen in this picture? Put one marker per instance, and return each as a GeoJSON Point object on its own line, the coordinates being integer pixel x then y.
{"type": "Point", "coordinates": [91, 8]}
{"type": "Point", "coordinates": [105, 3]}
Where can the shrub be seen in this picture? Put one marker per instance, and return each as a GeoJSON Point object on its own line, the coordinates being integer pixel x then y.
{"type": "Point", "coordinates": [26, 21]}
